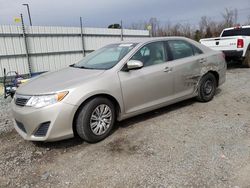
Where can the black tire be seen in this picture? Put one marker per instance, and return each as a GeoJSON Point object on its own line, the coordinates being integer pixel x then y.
{"type": "Point", "coordinates": [246, 61]}
{"type": "Point", "coordinates": [206, 88]}
{"type": "Point", "coordinates": [83, 121]}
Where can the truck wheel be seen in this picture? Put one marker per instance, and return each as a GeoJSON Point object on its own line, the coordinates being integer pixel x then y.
{"type": "Point", "coordinates": [246, 61]}
{"type": "Point", "coordinates": [206, 88]}
{"type": "Point", "coordinates": [95, 119]}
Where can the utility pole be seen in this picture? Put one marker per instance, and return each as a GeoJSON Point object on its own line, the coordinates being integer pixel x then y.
{"type": "Point", "coordinates": [26, 46]}
{"type": "Point", "coordinates": [83, 50]}
{"type": "Point", "coordinates": [121, 31]}
{"type": "Point", "coordinates": [28, 9]}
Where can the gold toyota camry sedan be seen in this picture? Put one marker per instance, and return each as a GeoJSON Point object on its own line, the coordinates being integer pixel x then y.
{"type": "Point", "coordinates": [113, 83]}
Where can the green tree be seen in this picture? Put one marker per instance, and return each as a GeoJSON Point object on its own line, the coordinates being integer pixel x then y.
{"type": "Point", "coordinates": [197, 35]}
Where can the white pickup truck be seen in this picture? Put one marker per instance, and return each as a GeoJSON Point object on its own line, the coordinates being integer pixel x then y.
{"type": "Point", "coordinates": [234, 42]}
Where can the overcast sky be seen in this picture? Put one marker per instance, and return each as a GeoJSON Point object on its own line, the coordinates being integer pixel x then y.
{"type": "Point", "coordinates": [101, 13]}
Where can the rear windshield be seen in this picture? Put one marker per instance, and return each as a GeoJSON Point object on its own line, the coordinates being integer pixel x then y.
{"type": "Point", "coordinates": [236, 32]}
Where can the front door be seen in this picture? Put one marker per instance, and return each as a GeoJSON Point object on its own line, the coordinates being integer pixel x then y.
{"type": "Point", "coordinates": [152, 84]}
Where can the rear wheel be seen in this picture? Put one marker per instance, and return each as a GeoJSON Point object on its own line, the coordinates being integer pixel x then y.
{"type": "Point", "coordinates": [95, 119]}
{"type": "Point", "coordinates": [246, 61]}
{"type": "Point", "coordinates": [206, 88]}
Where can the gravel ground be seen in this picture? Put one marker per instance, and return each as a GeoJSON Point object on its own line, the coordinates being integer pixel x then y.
{"type": "Point", "coordinates": [189, 144]}
{"type": "Point", "coordinates": [5, 116]}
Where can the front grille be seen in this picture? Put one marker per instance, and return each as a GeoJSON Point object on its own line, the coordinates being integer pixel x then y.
{"type": "Point", "coordinates": [21, 126]}
{"type": "Point", "coordinates": [42, 130]}
{"type": "Point", "coordinates": [21, 100]}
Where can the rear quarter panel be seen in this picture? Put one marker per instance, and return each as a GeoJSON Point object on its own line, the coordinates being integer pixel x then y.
{"type": "Point", "coordinates": [215, 62]}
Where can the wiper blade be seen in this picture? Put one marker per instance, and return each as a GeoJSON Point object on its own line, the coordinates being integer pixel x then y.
{"type": "Point", "coordinates": [83, 67]}
{"type": "Point", "coordinates": [80, 67]}
{"type": "Point", "coordinates": [75, 66]}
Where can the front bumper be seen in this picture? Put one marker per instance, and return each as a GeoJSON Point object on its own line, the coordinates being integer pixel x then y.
{"type": "Point", "coordinates": [49, 123]}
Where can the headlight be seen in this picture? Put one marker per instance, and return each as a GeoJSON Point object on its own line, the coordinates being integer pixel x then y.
{"type": "Point", "coordinates": [45, 100]}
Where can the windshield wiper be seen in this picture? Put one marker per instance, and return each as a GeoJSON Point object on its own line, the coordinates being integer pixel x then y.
{"type": "Point", "coordinates": [83, 67]}
{"type": "Point", "coordinates": [80, 67]}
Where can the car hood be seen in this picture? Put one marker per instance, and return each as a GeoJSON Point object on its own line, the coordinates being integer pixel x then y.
{"type": "Point", "coordinates": [57, 81]}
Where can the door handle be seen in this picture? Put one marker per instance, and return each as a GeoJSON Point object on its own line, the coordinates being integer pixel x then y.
{"type": "Point", "coordinates": [202, 60]}
{"type": "Point", "coordinates": [168, 69]}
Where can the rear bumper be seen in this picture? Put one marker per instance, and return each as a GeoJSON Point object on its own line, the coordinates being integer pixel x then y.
{"type": "Point", "coordinates": [233, 54]}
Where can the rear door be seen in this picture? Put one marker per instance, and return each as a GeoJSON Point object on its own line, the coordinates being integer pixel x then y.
{"type": "Point", "coordinates": [186, 66]}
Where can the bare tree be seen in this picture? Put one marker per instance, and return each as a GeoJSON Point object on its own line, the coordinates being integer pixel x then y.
{"type": "Point", "coordinates": [186, 30]}
{"type": "Point", "coordinates": [152, 23]}
{"type": "Point", "coordinates": [155, 25]}
{"type": "Point", "coordinates": [230, 17]}
{"type": "Point", "coordinates": [204, 22]}
{"type": "Point", "coordinates": [139, 25]}
{"type": "Point", "coordinates": [207, 27]}
{"type": "Point", "coordinates": [248, 20]}
{"type": "Point", "coordinates": [168, 29]}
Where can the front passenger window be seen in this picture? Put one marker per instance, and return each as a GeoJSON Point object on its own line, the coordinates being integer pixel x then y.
{"type": "Point", "coordinates": [151, 54]}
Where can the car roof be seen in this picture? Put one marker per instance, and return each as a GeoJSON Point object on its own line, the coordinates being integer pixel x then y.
{"type": "Point", "coordinates": [142, 41]}
{"type": "Point", "coordinates": [152, 39]}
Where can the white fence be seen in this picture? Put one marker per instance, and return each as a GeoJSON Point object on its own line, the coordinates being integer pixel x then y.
{"type": "Point", "coordinates": [39, 48]}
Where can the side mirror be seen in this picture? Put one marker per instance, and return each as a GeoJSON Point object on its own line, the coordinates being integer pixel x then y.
{"type": "Point", "coordinates": [134, 64]}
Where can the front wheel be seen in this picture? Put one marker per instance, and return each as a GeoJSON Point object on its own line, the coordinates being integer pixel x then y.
{"type": "Point", "coordinates": [95, 119]}
{"type": "Point", "coordinates": [207, 88]}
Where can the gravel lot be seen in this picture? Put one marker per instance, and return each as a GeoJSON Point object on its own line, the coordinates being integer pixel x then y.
{"type": "Point", "coordinates": [189, 144]}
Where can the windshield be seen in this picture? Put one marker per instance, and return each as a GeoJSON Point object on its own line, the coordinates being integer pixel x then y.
{"type": "Point", "coordinates": [106, 57]}
{"type": "Point", "coordinates": [236, 32]}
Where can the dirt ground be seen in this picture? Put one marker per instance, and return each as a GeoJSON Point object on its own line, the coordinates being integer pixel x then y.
{"type": "Point", "coordinates": [189, 144]}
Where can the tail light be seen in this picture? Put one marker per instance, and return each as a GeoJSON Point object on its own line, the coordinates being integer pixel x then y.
{"type": "Point", "coordinates": [240, 43]}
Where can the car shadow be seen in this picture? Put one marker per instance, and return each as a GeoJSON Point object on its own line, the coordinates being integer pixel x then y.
{"type": "Point", "coordinates": [63, 144]}
{"type": "Point", "coordinates": [76, 141]}
{"type": "Point", "coordinates": [73, 142]}
{"type": "Point", "coordinates": [155, 113]}
{"type": "Point", "coordinates": [234, 65]}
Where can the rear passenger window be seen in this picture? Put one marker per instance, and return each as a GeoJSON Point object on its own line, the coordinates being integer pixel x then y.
{"type": "Point", "coordinates": [181, 49]}
{"type": "Point", "coordinates": [197, 51]}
